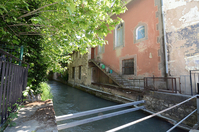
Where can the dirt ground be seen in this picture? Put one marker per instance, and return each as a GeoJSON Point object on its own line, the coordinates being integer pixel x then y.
{"type": "Point", "coordinates": [37, 116]}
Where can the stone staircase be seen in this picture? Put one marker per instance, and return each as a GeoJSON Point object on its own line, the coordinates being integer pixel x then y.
{"type": "Point", "coordinates": [125, 83]}
{"type": "Point", "coordinates": [118, 79]}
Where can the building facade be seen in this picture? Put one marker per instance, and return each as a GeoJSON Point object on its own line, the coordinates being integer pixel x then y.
{"type": "Point", "coordinates": [135, 48]}
{"type": "Point", "coordinates": [78, 70]}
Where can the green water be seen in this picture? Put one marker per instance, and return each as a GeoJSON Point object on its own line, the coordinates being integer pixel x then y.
{"type": "Point", "coordinates": [67, 100]}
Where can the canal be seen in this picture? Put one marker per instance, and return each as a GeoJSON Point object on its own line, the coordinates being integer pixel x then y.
{"type": "Point", "coordinates": [67, 100]}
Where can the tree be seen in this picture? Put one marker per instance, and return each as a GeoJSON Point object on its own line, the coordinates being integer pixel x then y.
{"type": "Point", "coordinates": [11, 36]}
{"type": "Point", "coordinates": [65, 25]}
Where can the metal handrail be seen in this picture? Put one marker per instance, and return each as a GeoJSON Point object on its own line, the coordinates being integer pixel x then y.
{"type": "Point", "coordinates": [80, 114]}
{"type": "Point", "coordinates": [181, 120]}
{"type": "Point", "coordinates": [150, 116]}
{"type": "Point", "coordinates": [92, 119]}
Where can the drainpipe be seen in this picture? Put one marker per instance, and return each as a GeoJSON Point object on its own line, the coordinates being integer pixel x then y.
{"type": "Point", "coordinates": [165, 40]}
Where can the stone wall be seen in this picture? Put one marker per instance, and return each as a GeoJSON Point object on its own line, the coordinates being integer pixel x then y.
{"type": "Point", "coordinates": [156, 101]}
{"type": "Point", "coordinates": [79, 60]}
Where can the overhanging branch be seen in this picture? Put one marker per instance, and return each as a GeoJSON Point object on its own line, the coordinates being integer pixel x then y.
{"type": "Point", "coordinates": [30, 13]}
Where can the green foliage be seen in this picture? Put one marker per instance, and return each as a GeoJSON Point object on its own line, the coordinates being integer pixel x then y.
{"type": "Point", "coordinates": [65, 75]}
{"type": "Point", "coordinates": [46, 94]}
{"type": "Point", "coordinates": [27, 91]}
{"type": "Point", "coordinates": [11, 36]}
{"type": "Point", "coordinates": [9, 122]}
{"type": "Point", "coordinates": [51, 29]}
{"type": "Point", "coordinates": [65, 25]}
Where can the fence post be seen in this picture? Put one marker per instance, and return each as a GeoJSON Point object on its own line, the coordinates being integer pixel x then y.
{"type": "Point", "coordinates": [197, 102]}
{"type": "Point", "coordinates": [175, 85]}
{"type": "Point", "coordinates": [21, 55]}
{"type": "Point", "coordinates": [191, 84]}
{"type": "Point", "coordinates": [198, 108]}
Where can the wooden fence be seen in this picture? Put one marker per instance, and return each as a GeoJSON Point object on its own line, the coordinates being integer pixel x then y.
{"type": "Point", "coordinates": [13, 80]}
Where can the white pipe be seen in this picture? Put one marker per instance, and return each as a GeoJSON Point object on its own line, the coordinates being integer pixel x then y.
{"type": "Point", "coordinates": [182, 120]}
{"type": "Point", "coordinates": [84, 121]}
{"type": "Point", "coordinates": [147, 117]}
{"type": "Point", "coordinates": [80, 114]}
{"type": "Point", "coordinates": [165, 39]}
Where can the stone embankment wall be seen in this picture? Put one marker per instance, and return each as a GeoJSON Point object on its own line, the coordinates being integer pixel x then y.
{"type": "Point", "coordinates": [155, 102]}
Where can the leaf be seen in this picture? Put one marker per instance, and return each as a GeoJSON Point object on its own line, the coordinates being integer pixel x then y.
{"type": "Point", "coordinates": [15, 41]}
{"type": "Point", "coordinates": [25, 93]}
{"type": "Point", "coordinates": [72, 6]}
{"type": "Point", "coordinates": [1, 12]}
{"type": "Point", "coordinates": [1, 6]}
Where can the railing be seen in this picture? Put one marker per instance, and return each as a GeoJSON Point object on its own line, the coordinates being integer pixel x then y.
{"type": "Point", "coordinates": [92, 119]}
{"type": "Point", "coordinates": [150, 116]}
{"type": "Point", "coordinates": [164, 84]}
{"type": "Point", "coordinates": [137, 83]}
{"type": "Point", "coordinates": [13, 80]}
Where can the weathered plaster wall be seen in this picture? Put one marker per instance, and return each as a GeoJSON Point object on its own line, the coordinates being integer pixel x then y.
{"type": "Point", "coordinates": [148, 53]}
{"type": "Point", "coordinates": [80, 60]}
{"type": "Point", "coordinates": [182, 31]}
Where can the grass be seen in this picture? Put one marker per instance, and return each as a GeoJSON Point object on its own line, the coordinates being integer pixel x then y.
{"type": "Point", "coordinates": [46, 94]}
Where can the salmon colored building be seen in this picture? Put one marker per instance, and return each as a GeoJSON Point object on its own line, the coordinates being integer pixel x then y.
{"type": "Point", "coordinates": [135, 48]}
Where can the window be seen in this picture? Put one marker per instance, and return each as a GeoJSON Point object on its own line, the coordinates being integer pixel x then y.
{"type": "Point", "coordinates": [73, 73]}
{"type": "Point", "coordinates": [140, 32]}
{"type": "Point", "coordinates": [119, 35]}
{"type": "Point", "coordinates": [100, 49]}
{"type": "Point", "coordinates": [128, 67]}
{"type": "Point", "coordinates": [80, 70]}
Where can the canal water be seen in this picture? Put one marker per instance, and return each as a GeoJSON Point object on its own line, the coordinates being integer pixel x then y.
{"type": "Point", "coordinates": [67, 100]}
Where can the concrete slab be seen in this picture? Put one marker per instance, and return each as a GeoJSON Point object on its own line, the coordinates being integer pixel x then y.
{"type": "Point", "coordinates": [37, 117]}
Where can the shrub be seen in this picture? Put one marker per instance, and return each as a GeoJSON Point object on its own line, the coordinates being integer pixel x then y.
{"type": "Point", "coordinates": [46, 94]}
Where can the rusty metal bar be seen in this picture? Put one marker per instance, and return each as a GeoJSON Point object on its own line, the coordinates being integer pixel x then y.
{"type": "Point", "coordinates": [139, 83]}
{"type": "Point", "coordinates": [191, 84]}
{"type": "Point", "coordinates": [172, 84]}
{"type": "Point", "coordinates": [185, 82]}
{"type": "Point", "coordinates": [180, 84]}
{"type": "Point", "coordinates": [195, 81]}
{"type": "Point", "coordinates": [175, 85]}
